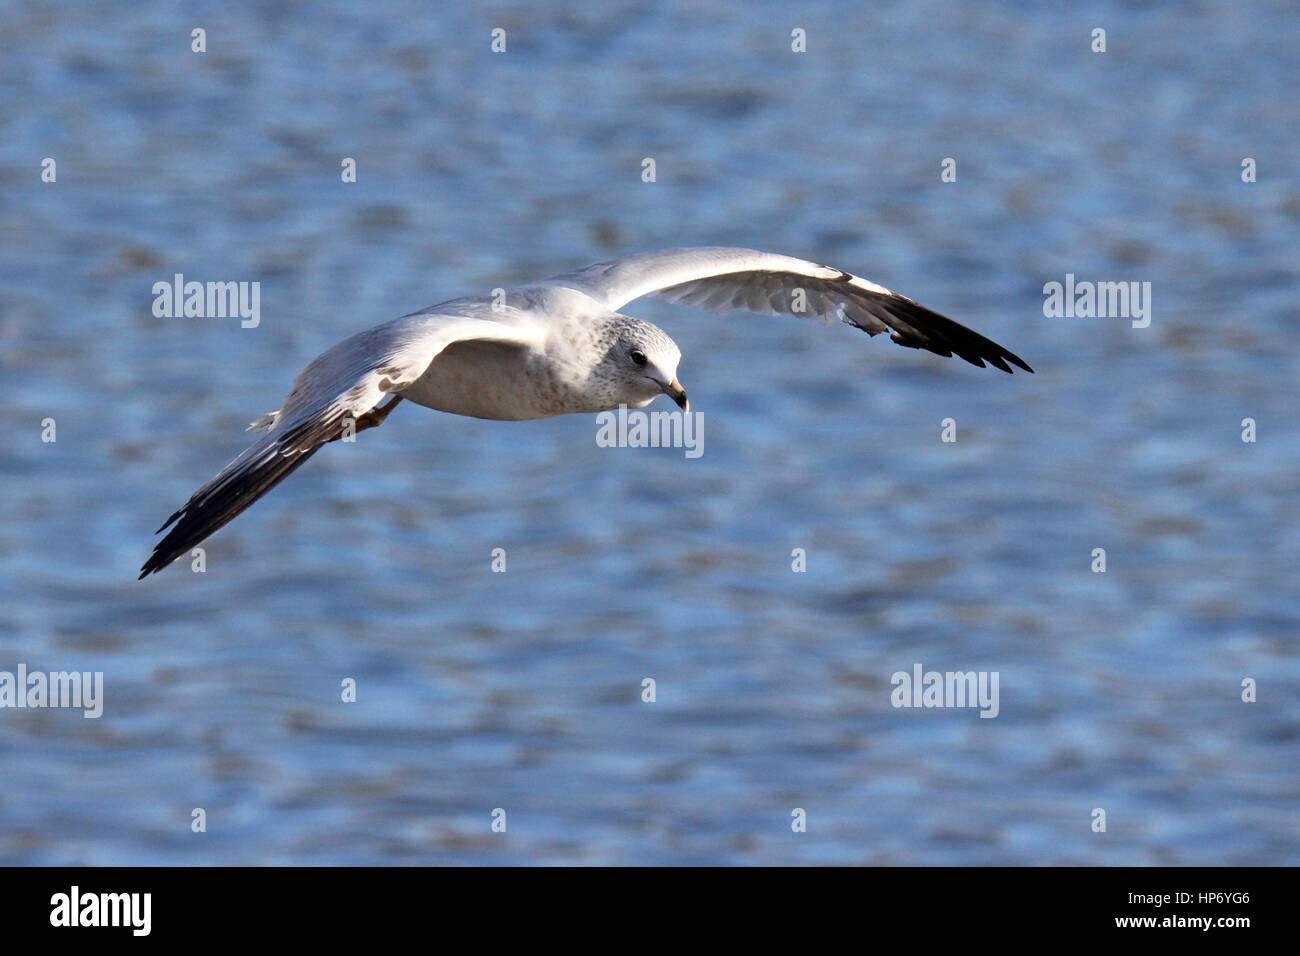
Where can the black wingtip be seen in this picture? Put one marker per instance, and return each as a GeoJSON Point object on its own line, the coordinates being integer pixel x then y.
{"type": "Point", "coordinates": [156, 562]}
{"type": "Point", "coordinates": [163, 527]}
{"type": "Point", "coordinates": [217, 503]}
{"type": "Point", "coordinates": [943, 336]}
{"type": "Point", "coordinates": [1015, 360]}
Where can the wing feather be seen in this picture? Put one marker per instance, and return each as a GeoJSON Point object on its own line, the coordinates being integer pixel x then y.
{"type": "Point", "coordinates": [725, 280]}
{"type": "Point", "coordinates": [344, 383]}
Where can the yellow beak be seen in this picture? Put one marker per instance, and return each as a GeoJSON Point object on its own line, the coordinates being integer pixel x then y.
{"type": "Point", "coordinates": [675, 391]}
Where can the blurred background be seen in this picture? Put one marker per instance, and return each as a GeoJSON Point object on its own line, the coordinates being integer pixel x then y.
{"type": "Point", "coordinates": [521, 690]}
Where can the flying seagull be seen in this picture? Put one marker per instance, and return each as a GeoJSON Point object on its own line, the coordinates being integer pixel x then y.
{"type": "Point", "coordinates": [553, 347]}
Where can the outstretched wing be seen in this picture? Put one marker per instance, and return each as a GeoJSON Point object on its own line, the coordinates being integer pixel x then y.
{"type": "Point", "coordinates": [344, 383]}
{"type": "Point", "coordinates": [728, 280]}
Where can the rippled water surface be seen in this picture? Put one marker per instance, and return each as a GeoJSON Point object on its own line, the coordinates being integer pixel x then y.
{"type": "Point", "coordinates": [522, 690]}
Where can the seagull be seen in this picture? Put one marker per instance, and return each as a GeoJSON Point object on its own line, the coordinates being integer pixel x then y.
{"type": "Point", "coordinates": [555, 347]}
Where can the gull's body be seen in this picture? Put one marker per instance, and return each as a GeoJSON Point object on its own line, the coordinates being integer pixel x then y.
{"type": "Point", "coordinates": [549, 348]}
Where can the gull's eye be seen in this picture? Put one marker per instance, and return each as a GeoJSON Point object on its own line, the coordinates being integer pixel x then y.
{"type": "Point", "coordinates": [638, 356]}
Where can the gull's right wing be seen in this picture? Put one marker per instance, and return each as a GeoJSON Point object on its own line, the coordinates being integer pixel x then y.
{"type": "Point", "coordinates": [345, 383]}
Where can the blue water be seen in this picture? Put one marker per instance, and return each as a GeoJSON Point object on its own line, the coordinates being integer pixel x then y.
{"type": "Point", "coordinates": [521, 690]}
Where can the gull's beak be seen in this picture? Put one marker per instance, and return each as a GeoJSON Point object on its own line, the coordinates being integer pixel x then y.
{"type": "Point", "coordinates": [675, 391]}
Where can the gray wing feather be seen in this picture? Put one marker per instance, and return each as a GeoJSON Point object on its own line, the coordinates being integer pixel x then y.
{"type": "Point", "coordinates": [727, 279]}
{"type": "Point", "coordinates": [343, 383]}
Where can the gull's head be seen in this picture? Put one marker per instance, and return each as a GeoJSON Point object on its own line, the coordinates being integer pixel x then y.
{"type": "Point", "coordinates": [640, 364]}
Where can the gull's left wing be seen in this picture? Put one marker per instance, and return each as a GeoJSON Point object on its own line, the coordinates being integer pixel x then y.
{"type": "Point", "coordinates": [729, 280]}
